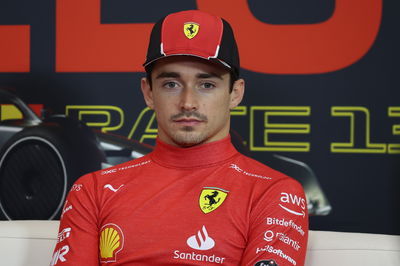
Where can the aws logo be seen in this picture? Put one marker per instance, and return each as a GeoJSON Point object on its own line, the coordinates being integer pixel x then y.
{"type": "Point", "coordinates": [292, 203]}
{"type": "Point", "coordinates": [111, 242]}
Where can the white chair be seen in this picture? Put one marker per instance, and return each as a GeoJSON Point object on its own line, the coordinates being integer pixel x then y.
{"type": "Point", "coordinates": [31, 243]}
{"type": "Point", "coordinates": [28, 243]}
{"type": "Point", "coordinates": [352, 249]}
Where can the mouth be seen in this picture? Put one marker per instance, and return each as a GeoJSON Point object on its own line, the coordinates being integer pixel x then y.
{"type": "Point", "coordinates": [188, 121]}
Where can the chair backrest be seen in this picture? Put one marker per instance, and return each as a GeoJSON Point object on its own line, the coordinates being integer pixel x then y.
{"type": "Point", "coordinates": [27, 242]}
{"type": "Point", "coordinates": [352, 249]}
{"type": "Point", "coordinates": [32, 242]}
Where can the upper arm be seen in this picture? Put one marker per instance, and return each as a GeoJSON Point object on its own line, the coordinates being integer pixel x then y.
{"type": "Point", "coordinates": [278, 227]}
{"type": "Point", "coordinates": [78, 233]}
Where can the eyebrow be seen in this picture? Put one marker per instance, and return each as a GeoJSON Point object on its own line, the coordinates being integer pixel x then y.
{"type": "Point", "coordinates": [208, 75]}
{"type": "Point", "coordinates": [177, 75]}
{"type": "Point", "coordinates": [168, 75]}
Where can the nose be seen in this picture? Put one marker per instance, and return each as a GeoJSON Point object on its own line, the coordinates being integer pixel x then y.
{"type": "Point", "coordinates": [189, 101]}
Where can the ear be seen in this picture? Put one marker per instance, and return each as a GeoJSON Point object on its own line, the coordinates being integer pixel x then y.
{"type": "Point", "coordinates": [147, 92]}
{"type": "Point", "coordinates": [237, 93]}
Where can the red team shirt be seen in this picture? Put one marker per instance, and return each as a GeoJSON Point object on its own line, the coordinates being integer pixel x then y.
{"type": "Point", "coordinates": [203, 205]}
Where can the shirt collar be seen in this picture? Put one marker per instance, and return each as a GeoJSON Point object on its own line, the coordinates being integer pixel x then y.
{"type": "Point", "coordinates": [197, 156]}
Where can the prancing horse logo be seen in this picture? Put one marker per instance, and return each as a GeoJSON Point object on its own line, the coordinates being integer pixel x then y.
{"type": "Point", "coordinates": [190, 29]}
{"type": "Point", "coordinates": [211, 198]}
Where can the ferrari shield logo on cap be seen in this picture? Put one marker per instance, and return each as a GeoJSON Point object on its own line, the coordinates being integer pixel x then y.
{"type": "Point", "coordinates": [190, 29]}
{"type": "Point", "coordinates": [211, 198]}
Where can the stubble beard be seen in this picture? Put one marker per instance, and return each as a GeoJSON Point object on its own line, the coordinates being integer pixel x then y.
{"type": "Point", "coordinates": [187, 137]}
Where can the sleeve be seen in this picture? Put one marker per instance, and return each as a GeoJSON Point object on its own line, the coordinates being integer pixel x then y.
{"type": "Point", "coordinates": [77, 242]}
{"type": "Point", "coordinates": [278, 229]}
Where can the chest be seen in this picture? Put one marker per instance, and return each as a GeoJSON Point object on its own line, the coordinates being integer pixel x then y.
{"type": "Point", "coordinates": [188, 218]}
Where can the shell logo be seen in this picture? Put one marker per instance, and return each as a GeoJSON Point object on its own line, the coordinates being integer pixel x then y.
{"type": "Point", "coordinates": [111, 242]}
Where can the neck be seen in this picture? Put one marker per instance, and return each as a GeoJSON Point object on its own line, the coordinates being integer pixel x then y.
{"type": "Point", "coordinates": [201, 155]}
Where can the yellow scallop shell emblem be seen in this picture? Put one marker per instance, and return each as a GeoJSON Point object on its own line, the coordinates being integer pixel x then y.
{"type": "Point", "coordinates": [111, 242]}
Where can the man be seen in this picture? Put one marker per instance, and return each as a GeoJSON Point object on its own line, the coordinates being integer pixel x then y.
{"type": "Point", "coordinates": [194, 200]}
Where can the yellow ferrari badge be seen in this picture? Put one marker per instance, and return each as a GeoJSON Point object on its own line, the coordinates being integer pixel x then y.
{"type": "Point", "coordinates": [211, 198]}
{"type": "Point", "coordinates": [190, 29]}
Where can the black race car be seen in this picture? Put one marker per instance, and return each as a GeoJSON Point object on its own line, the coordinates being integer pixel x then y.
{"type": "Point", "coordinates": [40, 159]}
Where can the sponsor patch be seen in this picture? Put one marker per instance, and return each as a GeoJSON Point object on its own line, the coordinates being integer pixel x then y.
{"type": "Point", "coordinates": [211, 198]}
{"type": "Point", "coordinates": [190, 29]}
{"type": "Point", "coordinates": [113, 189]}
{"type": "Point", "coordinates": [270, 236]}
{"type": "Point", "coordinates": [114, 170]}
{"type": "Point", "coordinates": [285, 223]}
{"type": "Point", "coordinates": [293, 204]}
{"type": "Point", "coordinates": [266, 263]}
{"type": "Point", "coordinates": [64, 234]}
{"type": "Point", "coordinates": [198, 257]}
{"type": "Point", "coordinates": [244, 172]}
{"type": "Point", "coordinates": [201, 241]}
{"type": "Point", "coordinates": [59, 255]}
{"type": "Point", "coordinates": [108, 171]}
{"type": "Point", "coordinates": [111, 242]}
{"type": "Point", "coordinates": [76, 187]}
{"type": "Point", "coordinates": [278, 252]}
{"type": "Point", "coordinates": [66, 208]}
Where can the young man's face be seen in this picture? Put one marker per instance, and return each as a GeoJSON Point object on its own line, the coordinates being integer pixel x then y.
{"type": "Point", "coordinates": [192, 100]}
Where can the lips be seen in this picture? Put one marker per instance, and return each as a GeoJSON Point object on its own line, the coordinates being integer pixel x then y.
{"type": "Point", "coordinates": [188, 118]}
{"type": "Point", "coordinates": [188, 121]}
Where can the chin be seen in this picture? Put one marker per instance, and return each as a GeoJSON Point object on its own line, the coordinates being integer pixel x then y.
{"type": "Point", "coordinates": [187, 139]}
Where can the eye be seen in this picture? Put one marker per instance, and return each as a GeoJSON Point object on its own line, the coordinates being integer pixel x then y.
{"type": "Point", "coordinates": [207, 85]}
{"type": "Point", "coordinates": [170, 85]}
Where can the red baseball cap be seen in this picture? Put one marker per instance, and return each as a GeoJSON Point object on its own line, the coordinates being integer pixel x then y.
{"type": "Point", "coordinates": [194, 33]}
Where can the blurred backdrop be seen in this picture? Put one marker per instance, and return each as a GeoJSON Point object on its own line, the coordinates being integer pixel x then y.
{"type": "Point", "coordinates": [322, 99]}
